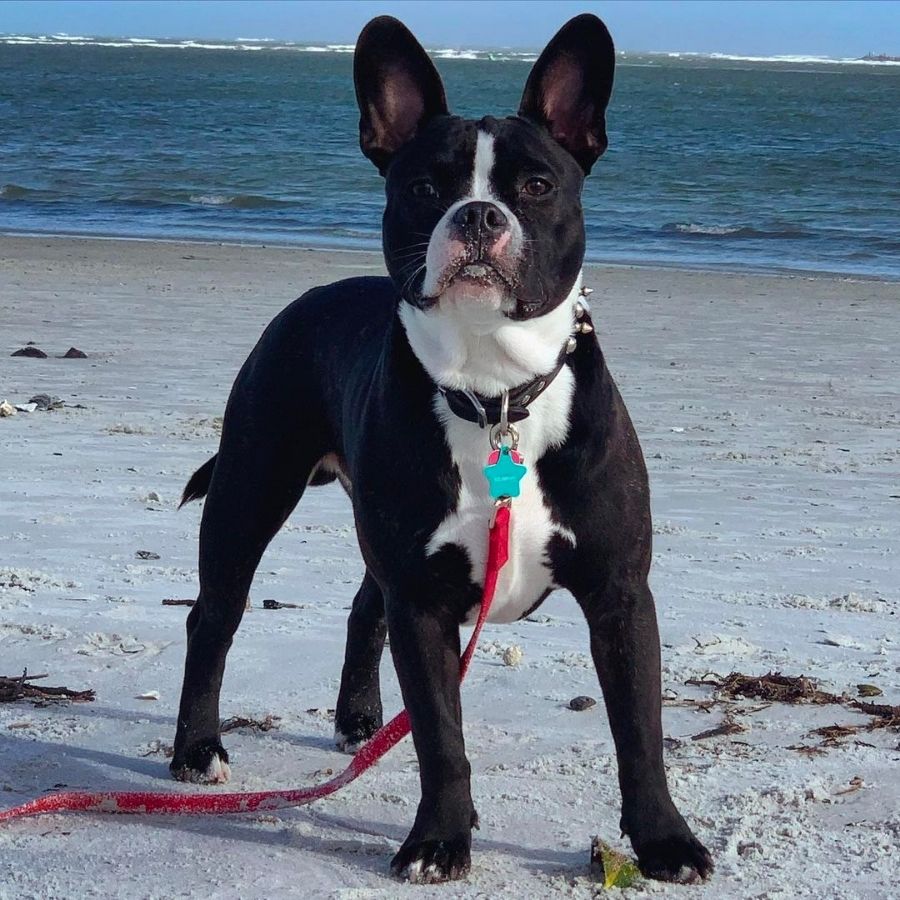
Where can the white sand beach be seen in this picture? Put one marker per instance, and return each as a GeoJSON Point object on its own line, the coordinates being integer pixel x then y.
{"type": "Point", "coordinates": [768, 407]}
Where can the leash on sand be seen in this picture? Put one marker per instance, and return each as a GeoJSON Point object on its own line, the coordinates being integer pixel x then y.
{"type": "Point", "coordinates": [504, 471]}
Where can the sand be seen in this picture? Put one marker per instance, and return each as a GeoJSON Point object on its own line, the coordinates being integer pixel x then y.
{"type": "Point", "coordinates": [768, 410]}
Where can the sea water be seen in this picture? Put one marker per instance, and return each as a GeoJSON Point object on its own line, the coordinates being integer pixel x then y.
{"type": "Point", "coordinates": [789, 163]}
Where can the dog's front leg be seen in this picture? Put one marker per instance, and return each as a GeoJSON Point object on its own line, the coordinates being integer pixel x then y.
{"type": "Point", "coordinates": [625, 647]}
{"type": "Point", "coordinates": [424, 642]}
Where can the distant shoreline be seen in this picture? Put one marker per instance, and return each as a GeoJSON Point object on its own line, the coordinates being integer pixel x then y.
{"type": "Point", "coordinates": [643, 264]}
{"type": "Point", "coordinates": [493, 54]}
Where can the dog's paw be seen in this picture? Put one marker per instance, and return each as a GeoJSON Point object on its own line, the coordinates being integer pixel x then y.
{"type": "Point", "coordinates": [350, 738]}
{"type": "Point", "coordinates": [431, 862]}
{"type": "Point", "coordinates": [205, 763]}
{"type": "Point", "coordinates": [680, 858]}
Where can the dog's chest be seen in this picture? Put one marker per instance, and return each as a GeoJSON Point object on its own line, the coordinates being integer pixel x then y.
{"type": "Point", "coordinates": [527, 576]}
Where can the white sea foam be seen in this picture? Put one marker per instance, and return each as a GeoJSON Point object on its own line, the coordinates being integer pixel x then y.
{"type": "Point", "coordinates": [504, 54]}
{"type": "Point", "coordinates": [455, 54]}
{"type": "Point", "coordinates": [211, 199]}
{"type": "Point", "coordinates": [785, 58]}
{"type": "Point", "coordinates": [694, 228]}
{"type": "Point", "coordinates": [843, 61]}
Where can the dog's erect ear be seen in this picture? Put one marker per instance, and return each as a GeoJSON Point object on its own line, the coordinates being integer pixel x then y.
{"type": "Point", "coordinates": [569, 87]}
{"type": "Point", "coordinates": [398, 88]}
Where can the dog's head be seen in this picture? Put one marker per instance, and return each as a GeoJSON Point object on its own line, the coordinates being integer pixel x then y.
{"type": "Point", "coordinates": [484, 216]}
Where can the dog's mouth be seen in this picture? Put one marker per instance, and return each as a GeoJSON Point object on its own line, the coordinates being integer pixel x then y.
{"type": "Point", "coordinates": [480, 273]}
{"type": "Point", "coordinates": [472, 276]}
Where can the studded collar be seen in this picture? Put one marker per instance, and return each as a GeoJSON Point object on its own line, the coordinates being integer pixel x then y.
{"type": "Point", "coordinates": [484, 411]}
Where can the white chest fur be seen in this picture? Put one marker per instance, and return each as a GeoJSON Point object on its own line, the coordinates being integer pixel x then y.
{"type": "Point", "coordinates": [499, 354]}
{"type": "Point", "coordinates": [527, 575]}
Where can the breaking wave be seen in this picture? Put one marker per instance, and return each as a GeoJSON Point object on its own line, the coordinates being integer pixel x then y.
{"type": "Point", "coordinates": [13, 192]}
{"type": "Point", "coordinates": [696, 229]}
{"type": "Point", "coordinates": [234, 201]}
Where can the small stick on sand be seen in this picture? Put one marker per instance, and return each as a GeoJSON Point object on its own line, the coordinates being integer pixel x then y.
{"type": "Point", "coordinates": [235, 722]}
{"type": "Point", "coordinates": [18, 688]}
{"type": "Point", "coordinates": [275, 604]}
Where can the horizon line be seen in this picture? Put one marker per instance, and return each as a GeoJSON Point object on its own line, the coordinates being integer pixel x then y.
{"type": "Point", "coordinates": [209, 42]}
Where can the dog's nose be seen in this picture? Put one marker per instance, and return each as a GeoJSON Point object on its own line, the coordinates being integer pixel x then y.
{"type": "Point", "coordinates": [479, 215]}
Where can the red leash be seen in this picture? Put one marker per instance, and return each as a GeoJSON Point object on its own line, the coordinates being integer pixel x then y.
{"type": "Point", "coordinates": [153, 803]}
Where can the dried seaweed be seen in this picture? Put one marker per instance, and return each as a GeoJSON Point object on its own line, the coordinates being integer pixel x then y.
{"type": "Point", "coordinates": [808, 749]}
{"type": "Point", "coordinates": [886, 716]}
{"type": "Point", "coordinates": [268, 723]}
{"type": "Point", "coordinates": [727, 727]}
{"type": "Point", "coordinates": [833, 733]}
{"type": "Point", "coordinates": [779, 688]}
{"type": "Point", "coordinates": [13, 689]}
{"type": "Point", "coordinates": [774, 687]}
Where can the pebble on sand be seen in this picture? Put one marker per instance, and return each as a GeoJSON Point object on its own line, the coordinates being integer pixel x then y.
{"type": "Point", "coordinates": [30, 351]}
{"type": "Point", "coordinates": [74, 353]}
{"type": "Point", "coordinates": [579, 704]}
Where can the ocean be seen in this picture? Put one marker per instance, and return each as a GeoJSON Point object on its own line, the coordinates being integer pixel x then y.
{"type": "Point", "coordinates": [714, 161]}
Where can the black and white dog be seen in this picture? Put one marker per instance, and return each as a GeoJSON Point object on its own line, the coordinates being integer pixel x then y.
{"type": "Point", "coordinates": [384, 382]}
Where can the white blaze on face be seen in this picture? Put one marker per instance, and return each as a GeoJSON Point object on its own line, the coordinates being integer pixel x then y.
{"type": "Point", "coordinates": [484, 165]}
{"type": "Point", "coordinates": [444, 250]}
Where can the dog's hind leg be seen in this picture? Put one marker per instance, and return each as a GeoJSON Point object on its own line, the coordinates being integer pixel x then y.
{"type": "Point", "coordinates": [260, 474]}
{"type": "Point", "coordinates": [358, 715]}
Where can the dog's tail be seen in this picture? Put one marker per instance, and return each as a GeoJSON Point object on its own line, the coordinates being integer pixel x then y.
{"type": "Point", "coordinates": [198, 484]}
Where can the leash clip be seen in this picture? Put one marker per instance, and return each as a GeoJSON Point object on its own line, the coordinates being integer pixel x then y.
{"type": "Point", "coordinates": [499, 503]}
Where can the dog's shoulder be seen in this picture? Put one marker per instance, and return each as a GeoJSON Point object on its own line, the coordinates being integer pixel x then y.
{"type": "Point", "coordinates": [327, 311]}
{"type": "Point", "coordinates": [366, 295]}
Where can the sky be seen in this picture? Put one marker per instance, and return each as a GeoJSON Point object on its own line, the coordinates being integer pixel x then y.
{"type": "Point", "coordinates": [841, 28]}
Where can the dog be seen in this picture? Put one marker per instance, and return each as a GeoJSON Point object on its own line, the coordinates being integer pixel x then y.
{"type": "Point", "coordinates": [388, 385]}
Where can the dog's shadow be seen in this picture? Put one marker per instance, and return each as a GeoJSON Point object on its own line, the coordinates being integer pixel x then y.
{"type": "Point", "coordinates": [311, 741]}
{"type": "Point", "coordinates": [368, 846]}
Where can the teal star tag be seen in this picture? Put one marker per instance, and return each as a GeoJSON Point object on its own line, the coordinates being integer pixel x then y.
{"type": "Point", "coordinates": [504, 474]}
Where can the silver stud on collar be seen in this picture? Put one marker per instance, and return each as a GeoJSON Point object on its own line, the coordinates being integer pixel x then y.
{"type": "Point", "coordinates": [586, 291]}
{"type": "Point", "coordinates": [579, 310]}
{"type": "Point", "coordinates": [584, 327]}
{"type": "Point", "coordinates": [571, 344]}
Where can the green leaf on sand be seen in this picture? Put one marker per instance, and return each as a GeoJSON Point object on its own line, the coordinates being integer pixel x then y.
{"type": "Point", "coordinates": [613, 868]}
{"type": "Point", "coordinates": [869, 690]}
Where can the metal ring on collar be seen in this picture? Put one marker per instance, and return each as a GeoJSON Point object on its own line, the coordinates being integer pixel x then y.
{"type": "Point", "coordinates": [497, 433]}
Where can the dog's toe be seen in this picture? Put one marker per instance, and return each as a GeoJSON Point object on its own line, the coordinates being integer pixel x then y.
{"type": "Point", "coordinates": [348, 743]}
{"type": "Point", "coordinates": [432, 862]}
{"type": "Point", "coordinates": [205, 763]}
{"type": "Point", "coordinates": [682, 859]}
{"type": "Point", "coordinates": [354, 735]}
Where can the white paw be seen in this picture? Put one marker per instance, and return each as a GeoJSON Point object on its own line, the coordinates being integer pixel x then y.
{"type": "Point", "coordinates": [419, 873]}
{"type": "Point", "coordinates": [414, 871]}
{"type": "Point", "coordinates": [217, 772]}
{"type": "Point", "coordinates": [346, 744]}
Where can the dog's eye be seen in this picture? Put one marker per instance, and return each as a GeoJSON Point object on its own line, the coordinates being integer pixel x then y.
{"type": "Point", "coordinates": [423, 189]}
{"type": "Point", "coordinates": [537, 187]}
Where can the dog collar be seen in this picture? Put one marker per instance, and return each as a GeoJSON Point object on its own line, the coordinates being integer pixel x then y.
{"type": "Point", "coordinates": [484, 411]}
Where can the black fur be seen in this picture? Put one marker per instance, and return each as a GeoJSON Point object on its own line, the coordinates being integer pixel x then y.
{"type": "Point", "coordinates": [198, 484]}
